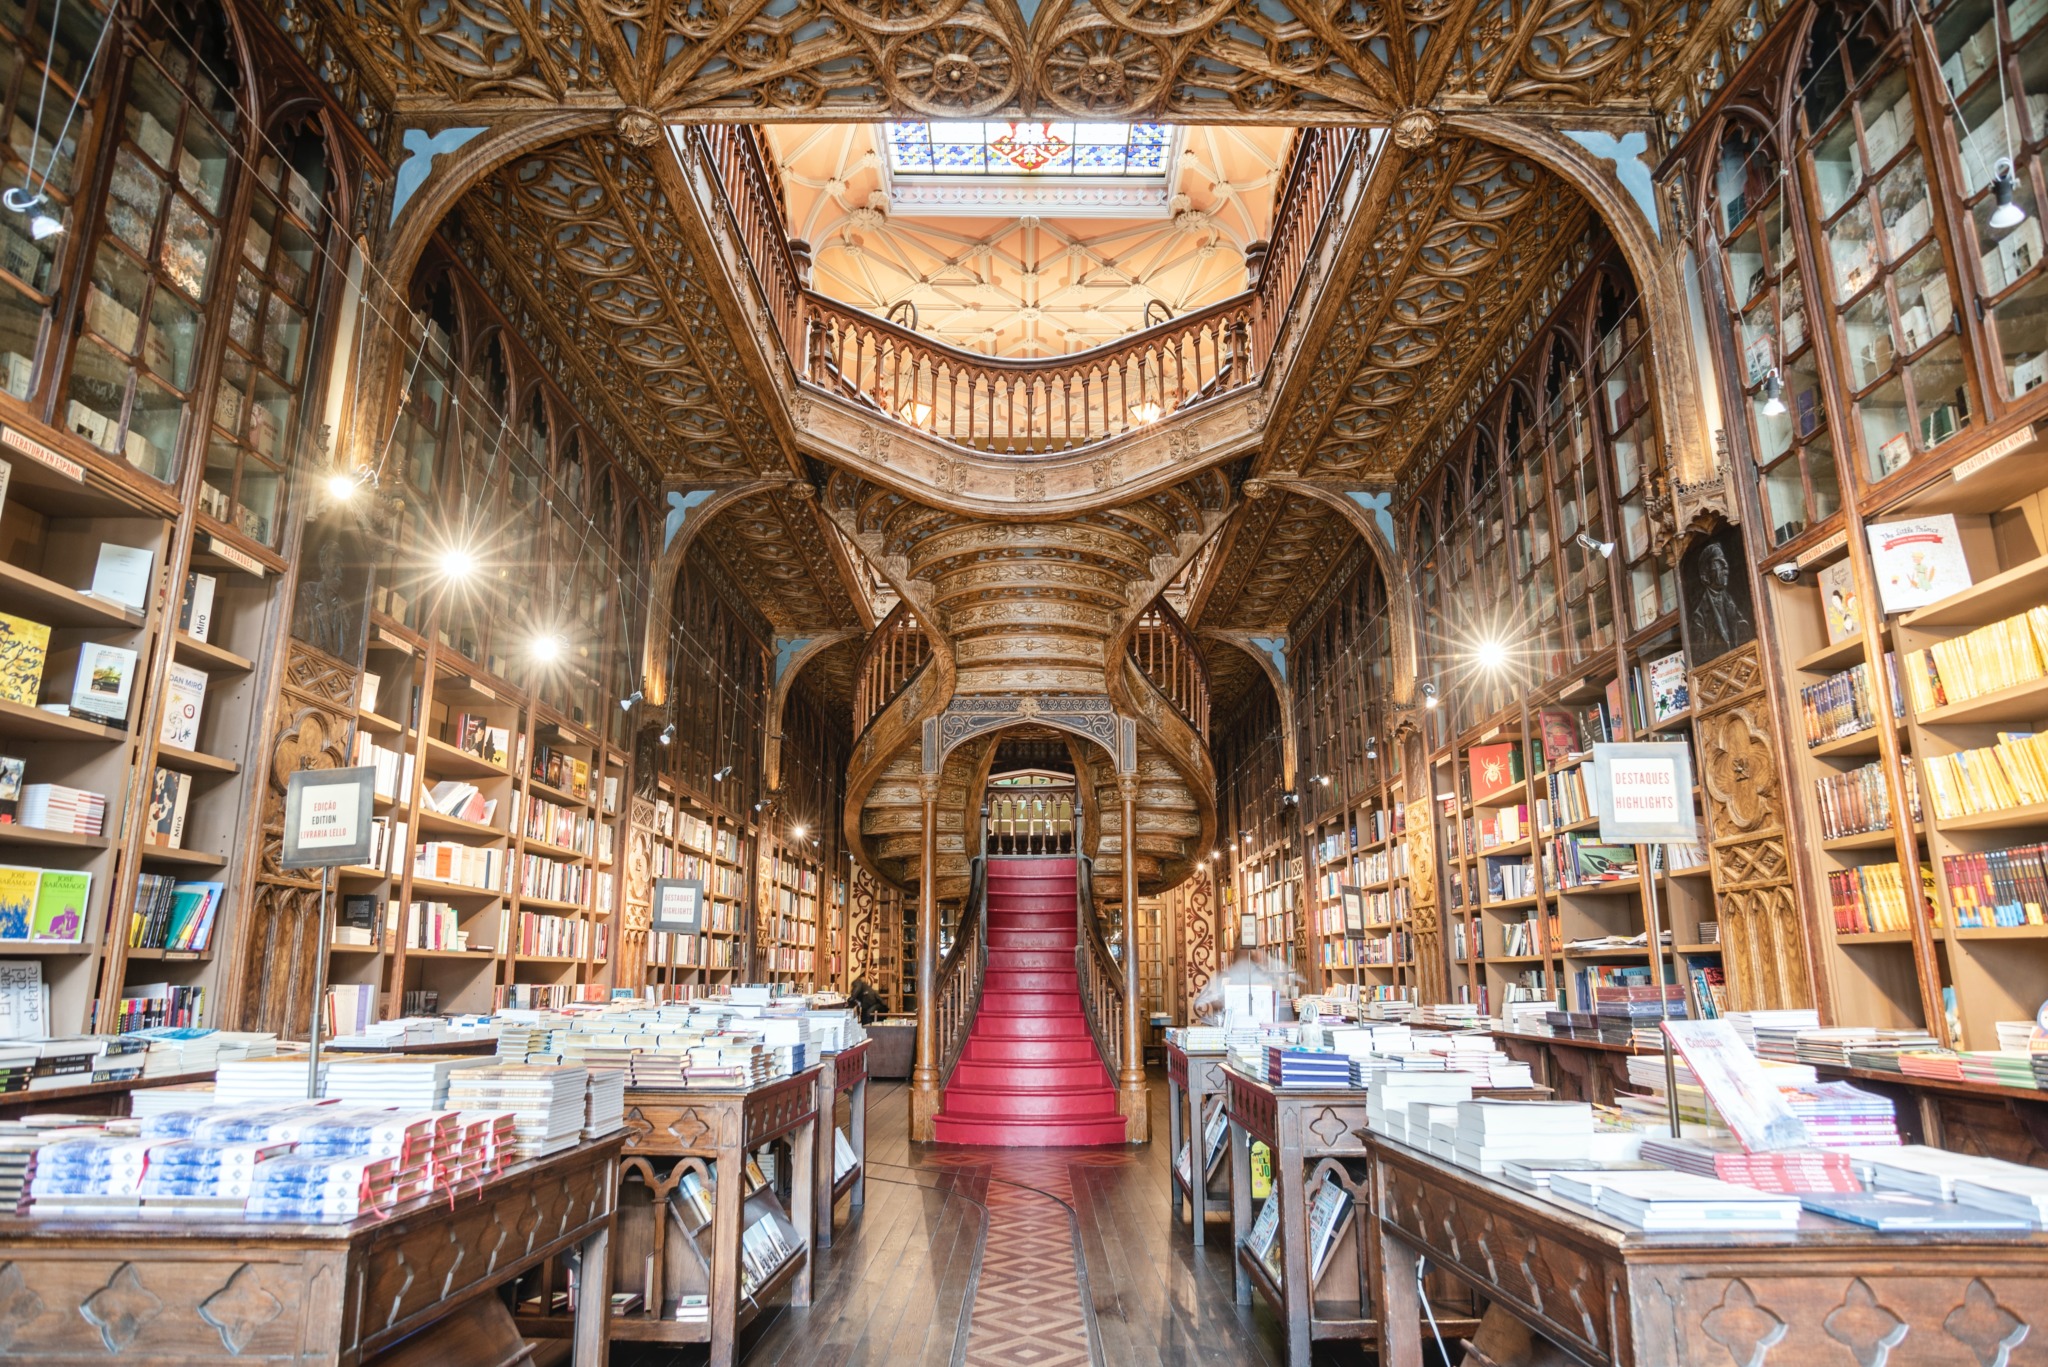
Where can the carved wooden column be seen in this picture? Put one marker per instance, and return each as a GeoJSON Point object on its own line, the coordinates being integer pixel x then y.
{"type": "Point", "coordinates": [1131, 1082]}
{"type": "Point", "coordinates": [1746, 841]}
{"type": "Point", "coordinates": [924, 1076]}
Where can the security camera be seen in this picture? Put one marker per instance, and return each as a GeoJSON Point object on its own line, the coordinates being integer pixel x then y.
{"type": "Point", "coordinates": [1788, 573]}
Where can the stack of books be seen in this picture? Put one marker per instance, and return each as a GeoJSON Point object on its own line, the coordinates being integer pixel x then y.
{"type": "Point", "coordinates": [604, 1102]}
{"type": "Point", "coordinates": [1789, 1170]}
{"type": "Point", "coordinates": [547, 1101]}
{"type": "Point", "coordinates": [1197, 1039]}
{"type": "Point", "coordinates": [1392, 1093]}
{"type": "Point", "coordinates": [322, 1190]}
{"type": "Point", "coordinates": [1489, 1133]}
{"type": "Point", "coordinates": [56, 807]}
{"type": "Point", "coordinates": [1665, 1202]}
{"type": "Point", "coordinates": [407, 1081]}
{"type": "Point", "coordinates": [1306, 1068]}
{"type": "Point", "coordinates": [1621, 1009]}
{"type": "Point", "coordinates": [93, 1175]}
{"type": "Point", "coordinates": [266, 1080]}
{"type": "Point", "coordinates": [203, 1176]}
{"type": "Point", "coordinates": [1774, 1034]}
{"type": "Point", "coordinates": [1841, 1116]}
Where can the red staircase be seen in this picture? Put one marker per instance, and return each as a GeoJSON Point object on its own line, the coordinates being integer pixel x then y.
{"type": "Point", "coordinates": [1029, 1077]}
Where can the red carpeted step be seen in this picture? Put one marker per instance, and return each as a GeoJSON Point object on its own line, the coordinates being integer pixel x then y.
{"type": "Point", "coordinates": [1026, 1134]}
{"type": "Point", "coordinates": [1026, 1003]}
{"type": "Point", "coordinates": [1030, 1027]}
{"type": "Point", "coordinates": [1032, 1076]}
{"type": "Point", "coordinates": [1066, 1049]}
{"type": "Point", "coordinates": [1031, 939]}
{"type": "Point", "coordinates": [1031, 960]}
{"type": "Point", "coordinates": [1029, 980]}
{"type": "Point", "coordinates": [1008, 1103]}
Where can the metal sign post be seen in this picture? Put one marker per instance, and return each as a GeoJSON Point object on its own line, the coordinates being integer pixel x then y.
{"type": "Point", "coordinates": [327, 825]}
{"type": "Point", "coordinates": [1643, 792]}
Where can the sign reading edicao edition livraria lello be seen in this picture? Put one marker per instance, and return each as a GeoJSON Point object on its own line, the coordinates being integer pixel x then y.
{"type": "Point", "coordinates": [1643, 793]}
{"type": "Point", "coordinates": [327, 817]}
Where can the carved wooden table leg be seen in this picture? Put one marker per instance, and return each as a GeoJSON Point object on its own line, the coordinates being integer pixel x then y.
{"type": "Point", "coordinates": [728, 1199]}
{"type": "Point", "coordinates": [1240, 1206]}
{"type": "Point", "coordinates": [594, 1297]}
{"type": "Point", "coordinates": [803, 1211]}
{"type": "Point", "coordinates": [859, 1195]}
{"type": "Point", "coordinates": [1176, 1131]}
{"type": "Point", "coordinates": [1287, 1177]}
{"type": "Point", "coordinates": [1400, 1305]}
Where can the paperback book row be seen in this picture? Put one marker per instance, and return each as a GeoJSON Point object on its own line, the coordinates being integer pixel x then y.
{"type": "Point", "coordinates": [1859, 802]}
{"type": "Point", "coordinates": [569, 827]}
{"type": "Point", "coordinates": [1993, 778]}
{"type": "Point", "coordinates": [44, 904]}
{"type": "Point", "coordinates": [562, 771]}
{"type": "Point", "coordinates": [1873, 898]}
{"type": "Point", "coordinates": [55, 807]}
{"type": "Point", "coordinates": [1375, 951]}
{"type": "Point", "coordinates": [553, 880]}
{"type": "Point", "coordinates": [1843, 705]}
{"type": "Point", "coordinates": [2007, 887]}
{"type": "Point", "coordinates": [1991, 659]}
{"type": "Point", "coordinates": [666, 949]}
{"type": "Point", "coordinates": [174, 915]}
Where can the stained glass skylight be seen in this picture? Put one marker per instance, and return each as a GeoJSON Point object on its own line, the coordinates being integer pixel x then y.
{"type": "Point", "coordinates": [1028, 148]}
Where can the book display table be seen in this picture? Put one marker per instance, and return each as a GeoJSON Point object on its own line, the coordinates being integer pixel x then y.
{"type": "Point", "coordinates": [1194, 1088]}
{"type": "Point", "coordinates": [679, 1141]}
{"type": "Point", "coordinates": [1607, 1293]}
{"type": "Point", "coordinates": [198, 1291]}
{"type": "Point", "coordinates": [844, 1073]}
{"type": "Point", "coordinates": [1312, 1135]}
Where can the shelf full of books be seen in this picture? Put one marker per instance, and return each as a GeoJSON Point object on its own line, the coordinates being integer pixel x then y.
{"type": "Point", "coordinates": [790, 907]}
{"type": "Point", "coordinates": [1538, 912]}
{"type": "Point", "coordinates": [128, 704]}
{"type": "Point", "coordinates": [695, 842]}
{"type": "Point", "coordinates": [1959, 569]}
{"type": "Point", "coordinates": [485, 887]}
{"type": "Point", "coordinates": [1358, 921]}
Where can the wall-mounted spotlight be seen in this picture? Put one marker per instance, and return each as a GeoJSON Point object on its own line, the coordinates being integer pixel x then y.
{"type": "Point", "coordinates": [1429, 698]}
{"type": "Point", "coordinates": [1323, 780]}
{"type": "Point", "coordinates": [626, 703]}
{"type": "Point", "coordinates": [1603, 549]}
{"type": "Point", "coordinates": [1289, 798]}
{"type": "Point", "coordinates": [2009, 213]}
{"type": "Point", "coordinates": [43, 225]}
{"type": "Point", "coordinates": [1774, 394]}
{"type": "Point", "coordinates": [722, 775]}
{"type": "Point", "coordinates": [668, 734]}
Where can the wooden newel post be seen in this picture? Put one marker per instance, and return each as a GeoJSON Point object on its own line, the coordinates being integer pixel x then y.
{"type": "Point", "coordinates": [924, 1076]}
{"type": "Point", "coordinates": [1131, 1082]}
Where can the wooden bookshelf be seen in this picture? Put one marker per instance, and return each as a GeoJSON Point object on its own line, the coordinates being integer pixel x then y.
{"type": "Point", "coordinates": [691, 839]}
{"type": "Point", "coordinates": [789, 903]}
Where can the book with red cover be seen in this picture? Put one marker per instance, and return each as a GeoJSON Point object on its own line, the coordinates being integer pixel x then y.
{"type": "Point", "coordinates": [1492, 770]}
{"type": "Point", "coordinates": [1560, 736]}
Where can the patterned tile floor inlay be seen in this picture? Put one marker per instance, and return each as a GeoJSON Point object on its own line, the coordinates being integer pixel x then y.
{"type": "Point", "coordinates": [1028, 1304]}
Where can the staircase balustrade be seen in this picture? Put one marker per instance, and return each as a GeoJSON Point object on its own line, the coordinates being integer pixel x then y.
{"type": "Point", "coordinates": [1101, 979]}
{"type": "Point", "coordinates": [962, 971]}
{"type": "Point", "coordinates": [1030, 821]}
{"type": "Point", "coordinates": [895, 652]}
{"type": "Point", "coordinates": [1166, 651]}
{"type": "Point", "coordinates": [1028, 405]}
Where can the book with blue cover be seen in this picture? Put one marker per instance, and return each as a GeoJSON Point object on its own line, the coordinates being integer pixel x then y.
{"type": "Point", "coordinates": [1904, 1212]}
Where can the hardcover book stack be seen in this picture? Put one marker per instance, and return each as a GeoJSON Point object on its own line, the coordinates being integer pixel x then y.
{"type": "Point", "coordinates": [1788, 1171]}
{"type": "Point", "coordinates": [546, 1102]}
{"type": "Point", "coordinates": [1668, 1202]}
{"type": "Point", "coordinates": [410, 1081]}
{"type": "Point", "coordinates": [1621, 1009]}
{"type": "Point", "coordinates": [1489, 1133]}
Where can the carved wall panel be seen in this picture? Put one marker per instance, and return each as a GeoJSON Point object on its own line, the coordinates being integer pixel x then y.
{"type": "Point", "coordinates": [864, 929]}
{"type": "Point", "coordinates": [278, 933]}
{"type": "Point", "coordinates": [1194, 942]}
{"type": "Point", "coordinates": [1763, 953]}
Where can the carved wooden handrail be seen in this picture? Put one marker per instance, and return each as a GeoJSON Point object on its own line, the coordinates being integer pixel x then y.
{"type": "Point", "coordinates": [1166, 651]}
{"type": "Point", "coordinates": [895, 652]}
{"type": "Point", "coordinates": [962, 971]}
{"type": "Point", "coordinates": [1030, 404]}
{"type": "Point", "coordinates": [1102, 981]}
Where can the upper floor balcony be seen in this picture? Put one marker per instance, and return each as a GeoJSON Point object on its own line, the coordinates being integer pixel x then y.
{"type": "Point", "coordinates": [1074, 391]}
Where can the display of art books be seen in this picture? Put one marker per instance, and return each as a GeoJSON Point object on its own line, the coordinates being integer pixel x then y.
{"type": "Point", "coordinates": [62, 901]}
{"type": "Point", "coordinates": [105, 679]}
{"type": "Point", "coordinates": [184, 697]}
{"type": "Point", "coordinates": [123, 575]}
{"type": "Point", "coordinates": [170, 793]}
{"type": "Point", "coordinates": [1670, 693]}
{"type": "Point", "coordinates": [24, 648]}
{"type": "Point", "coordinates": [195, 613]}
{"type": "Point", "coordinates": [1917, 561]}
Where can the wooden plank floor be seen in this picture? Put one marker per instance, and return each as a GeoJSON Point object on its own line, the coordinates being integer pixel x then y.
{"type": "Point", "coordinates": [900, 1284]}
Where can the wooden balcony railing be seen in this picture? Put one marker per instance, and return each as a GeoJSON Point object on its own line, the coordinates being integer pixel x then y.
{"type": "Point", "coordinates": [1166, 651]}
{"type": "Point", "coordinates": [895, 652]}
{"type": "Point", "coordinates": [1038, 404]}
{"type": "Point", "coordinates": [1037, 820]}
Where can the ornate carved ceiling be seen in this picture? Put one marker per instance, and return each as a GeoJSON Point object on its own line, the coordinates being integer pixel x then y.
{"type": "Point", "coordinates": [781, 558]}
{"type": "Point", "coordinates": [1277, 552]}
{"type": "Point", "coordinates": [1028, 605]}
{"type": "Point", "coordinates": [1192, 61]}
{"type": "Point", "coordinates": [1467, 233]}
{"type": "Point", "coordinates": [1027, 286]}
